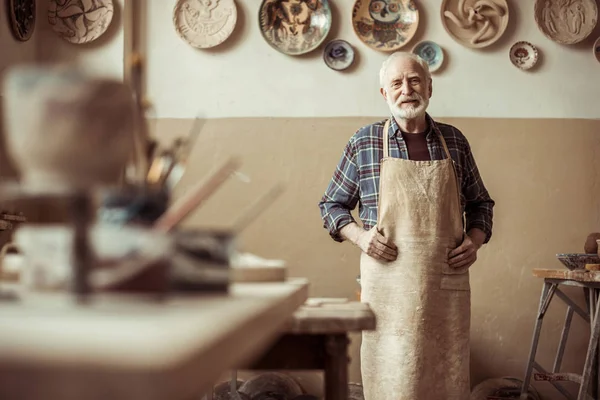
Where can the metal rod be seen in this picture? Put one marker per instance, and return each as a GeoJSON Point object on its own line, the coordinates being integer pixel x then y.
{"type": "Point", "coordinates": [563, 341]}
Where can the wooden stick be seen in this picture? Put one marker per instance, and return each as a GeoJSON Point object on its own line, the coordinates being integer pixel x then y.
{"type": "Point", "coordinates": [190, 201]}
{"type": "Point", "coordinates": [257, 208]}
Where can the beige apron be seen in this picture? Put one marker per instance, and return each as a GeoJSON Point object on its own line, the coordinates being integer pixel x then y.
{"type": "Point", "coordinates": [420, 349]}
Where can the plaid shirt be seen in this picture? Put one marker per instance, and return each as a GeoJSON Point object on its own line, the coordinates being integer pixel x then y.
{"type": "Point", "coordinates": [356, 178]}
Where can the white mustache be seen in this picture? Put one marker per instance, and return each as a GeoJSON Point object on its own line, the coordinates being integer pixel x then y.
{"type": "Point", "coordinates": [413, 97]}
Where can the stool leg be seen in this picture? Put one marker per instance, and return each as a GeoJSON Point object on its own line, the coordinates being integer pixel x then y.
{"type": "Point", "coordinates": [336, 367]}
{"type": "Point", "coordinates": [591, 353]}
{"type": "Point", "coordinates": [547, 293]}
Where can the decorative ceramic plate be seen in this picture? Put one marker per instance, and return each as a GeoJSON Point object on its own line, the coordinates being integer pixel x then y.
{"type": "Point", "coordinates": [338, 55]}
{"type": "Point", "coordinates": [22, 18]}
{"type": "Point", "coordinates": [385, 25]}
{"type": "Point", "coordinates": [294, 27]}
{"type": "Point", "coordinates": [597, 49]}
{"type": "Point", "coordinates": [523, 55]}
{"type": "Point", "coordinates": [430, 52]}
{"type": "Point", "coordinates": [566, 21]}
{"type": "Point", "coordinates": [475, 23]}
{"type": "Point", "coordinates": [204, 23]}
{"type": "Point", "coordinates": [80, 21]}
{"type": "Point", "coordinates": [577, 260]}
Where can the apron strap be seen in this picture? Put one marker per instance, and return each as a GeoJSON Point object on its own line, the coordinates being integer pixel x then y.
{"type": "Point", "coordinates": [386, 138]}
{"type": "Point", "coordinates": [445, 146]}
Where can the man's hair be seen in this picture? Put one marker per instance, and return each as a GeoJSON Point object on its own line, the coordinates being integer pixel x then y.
{"type": "Point", "coordinates": [402, 54]}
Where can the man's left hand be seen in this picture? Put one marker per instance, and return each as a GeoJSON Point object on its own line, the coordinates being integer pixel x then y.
{"type": "Point", "coordinates": [464, 255]}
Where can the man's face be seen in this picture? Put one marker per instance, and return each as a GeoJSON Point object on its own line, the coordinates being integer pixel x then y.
{"type": "Point", "coordinates": [407, 89]}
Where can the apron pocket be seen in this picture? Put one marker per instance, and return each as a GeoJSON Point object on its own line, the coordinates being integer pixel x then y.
{"type": "Point", "coordinates": [455, 282]}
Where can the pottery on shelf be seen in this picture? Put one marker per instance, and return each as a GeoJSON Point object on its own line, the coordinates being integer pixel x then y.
{"type": "Point", "coordinates": [294, 27]}
{"type": "Point", "coordinates": [577, 260]}
{"type": "Point", "coordinates": [65, 130]}
{"type": "Point", "coordinates": [431, 52]}
{"type": "Point", "coordinates": [206, 23]}
{"type": "Point", "coordinates": [523, 55]}
{"type": "Point", "coordinates": [566, 22]}
{"type": "Point", "coordinates": [338, 55]}
{"type": "Point", "coordinates": [597, 49]}
{"type": "Point", "coordinates": [385, 25]}
{"type": "Point", "coordinates": [79, 21]}
{"type": "Point", "coordinates": [475, 23]}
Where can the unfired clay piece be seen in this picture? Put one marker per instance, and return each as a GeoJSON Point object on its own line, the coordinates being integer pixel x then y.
{"type": "Point", "coordinates": [80, 21]}
{"type": "Point", "coordinates": [65, 130]}
{"type": "Point", "coordinates": [475, 23]}
{"type": "Point", "coordinates": [385, 25]}
{"type": "Point", "coordinates": [205, 23]}
{"type": "Point", "coordinates": [566, 21]}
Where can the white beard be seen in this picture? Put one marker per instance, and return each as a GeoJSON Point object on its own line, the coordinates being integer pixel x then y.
{"type": "Point", "coordinates": [408, 112]}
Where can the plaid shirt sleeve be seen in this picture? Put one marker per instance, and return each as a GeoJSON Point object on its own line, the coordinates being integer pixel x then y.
{"type": "Point", "coordinates": [341, 195]}
{"type": "Point", "coordinates": [478, 203]}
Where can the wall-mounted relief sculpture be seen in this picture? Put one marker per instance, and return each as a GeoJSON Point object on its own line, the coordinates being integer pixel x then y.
{"type": "Point", "coordinates": [523, 55]}
{"type": "Point", "coordinates": [597, 49]}
{"type": "Point", "coordinates": [205, 23]}
{"type": "Point", "coordinates": [385, 25]}
{"type": "Point", "coordinates": [338, 55]}
{"type": "Point", "coordinates": [80, 21]}
{"type": "Point", "coordinates": [475, 23]}
{"type": "Point", "coordinates": [294, 27]}
{"type": "Point", "coordinates": [22, 18]}
{"type": "Point", "coordinates": [566, 21]}
{"type": "Point", "coordinates": [431, 52]}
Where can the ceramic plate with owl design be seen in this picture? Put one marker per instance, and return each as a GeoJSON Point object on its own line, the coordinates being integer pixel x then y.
{"type": "Point", "coordinates": [385, 25]}
{"type": "Point", "coordinates": [294, 27]}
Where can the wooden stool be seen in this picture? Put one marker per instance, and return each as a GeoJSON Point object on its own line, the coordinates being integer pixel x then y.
{"type": "Point", "coordinates": [317, 338]}
{"type": "Point", "coordinates": [590, 282]}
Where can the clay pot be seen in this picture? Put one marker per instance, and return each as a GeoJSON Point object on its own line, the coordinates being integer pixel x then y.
{"type": "Point", "coordinates": [271, 386]}
{"type": "Point", "coordinates": [221, 391]}
{"type": "Point", "coordinates": [590, 246]}
{"type": "Point", "coordinates": [67, 130]}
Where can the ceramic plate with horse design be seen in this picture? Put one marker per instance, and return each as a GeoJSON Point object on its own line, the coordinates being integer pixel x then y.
{"type": "Point", "coordinates": [295, 27]}
{"type": "Point", "coordinates": [385, 25]}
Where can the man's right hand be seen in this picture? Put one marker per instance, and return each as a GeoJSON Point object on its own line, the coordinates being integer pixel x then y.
{"type": "Point", "coordinates": [371, 242]}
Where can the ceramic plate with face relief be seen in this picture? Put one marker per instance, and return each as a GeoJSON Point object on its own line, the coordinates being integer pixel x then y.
{"type": "Point", "coordinates": [294, 27]}
{"type": "Point", "coordinates": [385, 25]}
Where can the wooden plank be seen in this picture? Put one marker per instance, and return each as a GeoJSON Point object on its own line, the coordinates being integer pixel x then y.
{"type": "Point", "coordinates": [331, 317]}
{"type": "Point", "coordinates": [118, 348]}
{"type": "Point", "coordinates": [576, 275]}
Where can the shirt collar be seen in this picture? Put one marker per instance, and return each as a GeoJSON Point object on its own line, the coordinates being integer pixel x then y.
{"type": "Point", "coordinates": [394, 128]}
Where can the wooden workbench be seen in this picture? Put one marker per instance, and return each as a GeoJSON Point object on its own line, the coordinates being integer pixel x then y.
{"type": "Point", "coordinates": [122, 348]}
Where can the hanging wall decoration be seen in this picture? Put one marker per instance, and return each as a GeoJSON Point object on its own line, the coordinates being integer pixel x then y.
{"type": "Point", "coordinates": [475, 23]}
{"type": "Point", "coordinates": [431, 52]}
{"type": "Point", "coordinates": [566, 21]}
{"type": "Point", "coordinates": [523, 55]}
{"type": "Point", "coordinates": [338, 55]}
{"type": "Point", "coordinates": [597, 49]}
{"type": "Point", "coordinates": [22, 18]}
{"type": "Point", "coordinates": [80, 21]}
{"type": "Point", "coordinates": [294, 27]}
{"type": "Point", "coordinates": [205, 23]}
{"type": "Point", "coordinates": [385, 25]}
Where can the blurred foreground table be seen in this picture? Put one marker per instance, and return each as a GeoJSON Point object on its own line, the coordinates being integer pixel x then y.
{"type": "Point", "coordinates": [122, 348]}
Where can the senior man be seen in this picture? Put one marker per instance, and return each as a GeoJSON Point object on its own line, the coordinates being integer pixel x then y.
{"type": "Point", "coordinates": [425, 214]}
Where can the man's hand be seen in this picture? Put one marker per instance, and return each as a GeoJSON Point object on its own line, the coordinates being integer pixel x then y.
{"type": "Point", "coordinates": [466, 254]}
{"type": "Point", "coordinates": [371, 242]}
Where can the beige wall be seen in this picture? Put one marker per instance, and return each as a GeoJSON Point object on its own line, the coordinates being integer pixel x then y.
{"type": "Point", "coordinates": [542, 173]}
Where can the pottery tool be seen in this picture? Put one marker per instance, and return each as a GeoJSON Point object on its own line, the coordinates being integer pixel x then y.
{"type": "Point", "coordinates": [190, 201]}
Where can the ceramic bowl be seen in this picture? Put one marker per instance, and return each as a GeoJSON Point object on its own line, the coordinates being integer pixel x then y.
{"type": "Point", "coordinates": [338, 55]}
{"type": "Point", "coordinates": [294, 27]}
{"type": "Point", "coordinates": [80, 21]}
{"type": "Point", "coordinates": [204, 24]}
{"type": "Point", "coordinates": [523, 55]}
{"type": "Point", "coordinates": [577, 260]}
{"type": "Point", "coordinates": [385, 25]}
{"type": "Point", "coordinates": [431, 52]}
{"type": "Point", "coordinates": [566, 22]}
{"type": "Point", "coordinates": [597, 49]}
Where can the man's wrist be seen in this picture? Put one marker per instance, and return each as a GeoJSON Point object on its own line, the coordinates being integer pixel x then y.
{"type": "Point", "coordinates": [351, 232]}
{"type": "Point", "coordinates": [477, 237]}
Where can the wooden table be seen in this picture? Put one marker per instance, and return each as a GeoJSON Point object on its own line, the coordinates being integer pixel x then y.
{"type": "Point", "coordinates": [122, 348]}
{"type": "Point", "coordinates": [317, 338]}
{"type": "Point", "coordinates": [587, 380]}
